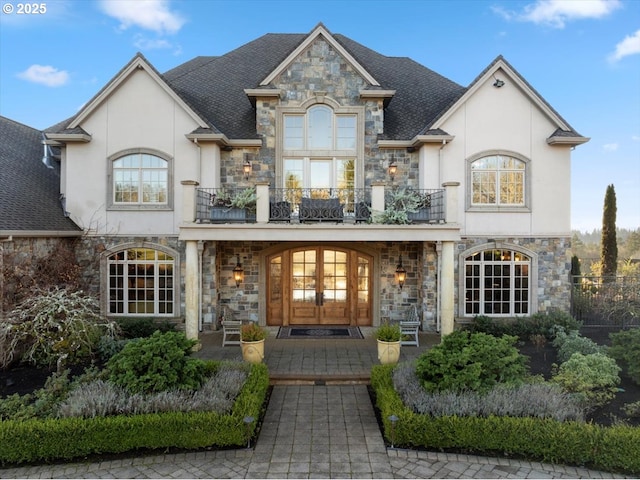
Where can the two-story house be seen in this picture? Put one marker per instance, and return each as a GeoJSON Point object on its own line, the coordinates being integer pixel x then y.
{"type": "Point", "coordinates": [380, 184]}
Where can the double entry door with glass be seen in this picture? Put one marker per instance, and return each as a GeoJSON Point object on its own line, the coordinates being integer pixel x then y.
{"type": "Point", "coordinates": [319, 286]}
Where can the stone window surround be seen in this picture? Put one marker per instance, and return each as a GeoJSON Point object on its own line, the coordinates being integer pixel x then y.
{"type": "Point", "coordinates": [320, 99]}
{"type": "Point", "coordinates": [499, 245]}
{"type": "Point", "coordinates": [104, 277]}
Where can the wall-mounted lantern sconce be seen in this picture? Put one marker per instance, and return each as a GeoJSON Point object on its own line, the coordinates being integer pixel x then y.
{"type": "Point", "coordinates": [498, 83]}
{"type": "Point", "coordinates": [393, 167]}
{"type": "Point", "coordinates": [401, 273]}
{"type": "Point", "coordinates": [246, 166]}
{"type": "Point", "coordinates": [238, 273]}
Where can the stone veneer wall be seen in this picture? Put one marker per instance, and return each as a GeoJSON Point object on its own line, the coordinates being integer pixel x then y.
{"type": "Point", "coordinates": [90, 248]}
{"type": "Point", "coordinates": [553, 289]}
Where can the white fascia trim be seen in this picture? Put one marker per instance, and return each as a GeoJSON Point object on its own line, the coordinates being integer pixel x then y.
{"type": "Point", "coordinates": [377, 93]}
{"type": "Point", "coordinates": [513, 77]}
{"type": "Point", "coordinates": [416, 141]}
{"type": "Point", "coordinates": [223, 140]}
{"type": "Point", "coordinates": [262, 92]}
{"type": "Point", "coordinates": [58, 138]}
{"type": "Point", "coordinates": [136, 64]}
{"type": "Point", "coordinates": [573, 141]}
{"type": "Point", "coordinates": [320, 31]}
{"type": "Point", "coordinates": [39, 233]}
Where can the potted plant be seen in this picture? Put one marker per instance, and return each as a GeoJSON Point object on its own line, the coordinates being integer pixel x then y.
{"type": "Point", "coordinates": [234, 206]}
{"type": "Point", "coordinates": [252, 338]}
{"type": "Point", "coordinates": [388, 337]}
{"type": "Point", "coordinates": [402, 205]}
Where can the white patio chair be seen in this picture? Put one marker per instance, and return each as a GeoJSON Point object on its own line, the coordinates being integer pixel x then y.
{"type": "Point", "coordinates": [409, 327]}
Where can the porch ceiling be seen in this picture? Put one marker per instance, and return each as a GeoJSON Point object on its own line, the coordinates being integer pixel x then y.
{"type": "Point", "coordinates": [320, 232]}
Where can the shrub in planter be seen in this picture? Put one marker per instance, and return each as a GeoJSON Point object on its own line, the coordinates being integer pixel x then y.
{"type": "Point", "coordinates": [388, 332]}
{"type": "Point", "coordinates": [157, 363]}
{"type": "Point", "coordinates": [471, 361]}
{"type": "Point", "coordinates": [625, 348]}
{"type": "Point", "coordinates": [592, 378]}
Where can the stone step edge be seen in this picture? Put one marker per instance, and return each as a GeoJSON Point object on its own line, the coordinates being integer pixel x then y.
{"type": "Point", "coordinates": [318, 379]}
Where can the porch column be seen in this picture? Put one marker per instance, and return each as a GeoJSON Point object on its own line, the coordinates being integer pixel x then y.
{"type": "Point", "coordinates": [451, 201]}
{"type": "Point", "coordinates": [191, 290]}
{"type": "Point", "coordinates": [447, 284]}
{"type": "Point", "coordinates": [189, 200]}
{"type": "Point", "coordinates": [262, 204]}
{"type": "Point", "coordinates": [377, 198]}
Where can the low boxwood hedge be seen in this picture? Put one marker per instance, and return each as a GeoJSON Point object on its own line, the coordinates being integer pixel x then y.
{"type": "Point", "coordinates": [612, 449]}
{"type": "Point", "coordinates": [33, 441]}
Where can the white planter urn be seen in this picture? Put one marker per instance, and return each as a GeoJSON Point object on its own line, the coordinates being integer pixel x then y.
{"type": "Point", "coordinates": [388, 352]}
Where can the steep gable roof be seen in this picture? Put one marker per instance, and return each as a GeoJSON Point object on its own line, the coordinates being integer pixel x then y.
{"type": "Point", "coordinates": [29, 190]}
{"type": "Point", "coordinates": [564, 133]}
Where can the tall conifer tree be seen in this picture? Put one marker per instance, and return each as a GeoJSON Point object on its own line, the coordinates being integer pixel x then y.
{"type": "Point", "coordinates": [609, 252]}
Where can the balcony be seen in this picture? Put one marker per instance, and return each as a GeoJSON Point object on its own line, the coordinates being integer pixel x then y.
{"type": "Point", "coordinates": [322, 205]}
{"type": "Point", "coordinates": [377, 213]}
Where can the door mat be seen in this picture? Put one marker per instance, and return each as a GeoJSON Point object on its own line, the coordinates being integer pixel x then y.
{"type": "Point", "coordinates": [319, 332]}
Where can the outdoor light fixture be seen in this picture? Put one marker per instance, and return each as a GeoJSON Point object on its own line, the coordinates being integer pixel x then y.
{"type": "Point", "coordinates": [393, 419]}
{"type": "Point", "coordinates": [401, 273]}
{"type": "Point", "coordinates": [248, 421]}
{"type": "Point", "coordinates": [498, 83]}
{"type": "Point", "coordinates": [238, 273]}
{"type": "Point", "coordinates": [246, 167]}
{"type": "Point", "coordinates": [393, 167]}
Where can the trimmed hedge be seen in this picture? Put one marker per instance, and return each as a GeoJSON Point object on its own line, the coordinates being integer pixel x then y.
{"type": "Point", "coordinates": [68, 438]}
{"type": "Point", "coordinates": [612, 449]}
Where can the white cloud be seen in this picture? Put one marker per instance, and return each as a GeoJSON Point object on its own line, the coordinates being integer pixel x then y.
{"type": "Point", "coordinates": [143, 43]}
{"type": "Point", "coordinates": [629, 46]}
{"type": "Point", "coordinates": [153, 15]}
{"type": "Point", "coordinates": [610, 147]}
{"type": "Point", "coordinates": [557, 13]}
{"type": "Point", "coordinates": [635, 138]}
{"type": "Point", "coordinates": [45, 75]}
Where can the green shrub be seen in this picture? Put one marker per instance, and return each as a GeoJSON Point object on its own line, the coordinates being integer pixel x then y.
{"type": "Point", "coordinates": [157, 363]}
{"type": "Point", "coordinates": [593, 378]}
{"type": "Point", "coordinates": [611, 449]}
{"type": "Point", "coordinates": [540, 399]}
{"type": "Point", "coordinates": [471, 361]}
{"type": "Point", "coordinates": [53, 328]}
{"type": "Point", "coordinates": [69, 438]}
{"type": "Point", "coordinates": [524, 327]}
{"type": "Point", "coordinates": [100, 398]}
{"type": "Point", "coordinates": [632, 409]}
{"type": "Point", "coordinates": [388, 332]}
{"type": "Point", "coordinates": [625, 348]}
{"type": "Point", "coordinates": [143, 327]}
{"type": "Point", "coordinates": [569, 343]}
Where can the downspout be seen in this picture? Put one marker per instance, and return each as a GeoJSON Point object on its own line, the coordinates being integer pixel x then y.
{"type": "Point", "coordinates": [440, 157]}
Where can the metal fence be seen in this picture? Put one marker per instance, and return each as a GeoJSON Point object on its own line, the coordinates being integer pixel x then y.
{"type": "Point", "coordinates": [606, 302]}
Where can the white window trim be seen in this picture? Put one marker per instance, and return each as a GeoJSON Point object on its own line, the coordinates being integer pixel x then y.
{"type": "Point", "coordinates": [302, 109]}
{"type": "Point", "coordinates": [112, 205]}
{"type": "Point", "coordinates": [470, 207]}
{"type": "Point", "coordinates": [104, 279]}
{"type": "Point", "coordinates": [498, 245]}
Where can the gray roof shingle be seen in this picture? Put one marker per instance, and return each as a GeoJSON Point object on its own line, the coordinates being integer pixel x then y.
{"type": "Point", "coordinates": [29, 190]}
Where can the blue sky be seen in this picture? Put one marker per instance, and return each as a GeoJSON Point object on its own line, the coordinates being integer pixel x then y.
{"type": "Point", "coordinates": [582, 56]}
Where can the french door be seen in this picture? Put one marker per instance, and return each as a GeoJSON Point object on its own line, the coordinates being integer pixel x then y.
{"type": "Point", "coordinates": [319, 286]}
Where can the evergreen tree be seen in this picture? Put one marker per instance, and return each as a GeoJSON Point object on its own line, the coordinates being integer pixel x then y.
{"type": "Point", "coordinates": [575, 269]}
{"type": "Point", "coordinates": [609, 252]}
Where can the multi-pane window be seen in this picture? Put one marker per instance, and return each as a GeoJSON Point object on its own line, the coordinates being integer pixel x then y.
{"type": "Point", "coordinates": [141, 282]}
{"type": "Point", "coordinates": [498, 180]}
{"type": "Point", "coordinates": [140, 179]}
{"type": "Point", "coordinates": [319, 129]}
{"type": "Point", "coordinates": [497, 283]}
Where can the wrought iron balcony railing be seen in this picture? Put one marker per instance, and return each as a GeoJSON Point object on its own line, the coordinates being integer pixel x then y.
{"type": "Point", "coordinates": [328, 205]}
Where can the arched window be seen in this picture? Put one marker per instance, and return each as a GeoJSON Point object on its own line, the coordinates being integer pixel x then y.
{"type": "Point", "coordinates": [140, 179]}
{"type": "Point", "coordinates": [497, 282]}
{"type": "Point", "coordinates": [498, 180]}
{"type": "Point", "coordinates": [141, 282]}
